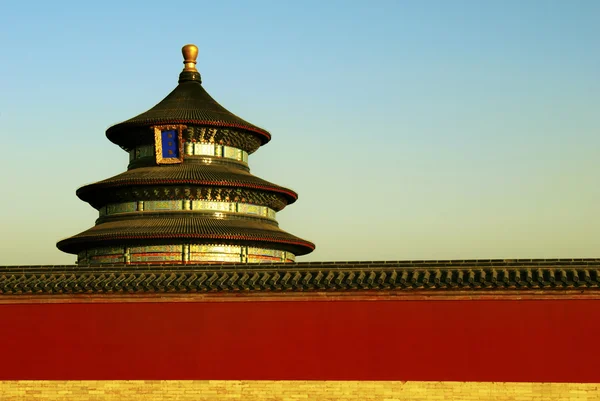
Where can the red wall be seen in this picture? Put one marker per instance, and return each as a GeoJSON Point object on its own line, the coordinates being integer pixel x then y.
{"type": "Point", "coordinates": [476, 340]}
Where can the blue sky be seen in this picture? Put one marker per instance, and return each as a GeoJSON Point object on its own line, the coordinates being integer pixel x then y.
{"type": "Point", "coordinates": [410, 130]}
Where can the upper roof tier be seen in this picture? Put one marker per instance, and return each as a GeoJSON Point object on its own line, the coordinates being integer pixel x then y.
{"type": "Point", "coordinates": [188, 103]}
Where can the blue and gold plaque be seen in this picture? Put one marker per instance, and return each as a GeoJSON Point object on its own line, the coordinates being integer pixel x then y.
{"type": "Point", "coordinates": [168, 143]}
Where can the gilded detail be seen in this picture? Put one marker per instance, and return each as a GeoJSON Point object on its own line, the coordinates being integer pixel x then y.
{"type": "Point", "coordinates": [188, 205]}
{"type": "Point", "coordinates": [194, 149]}
{"type": "Point", "coordinates": [272, 200]}
{"type": "Point", "coordinates": [211, 149]}
{"type": "Point", "coordinates": [222, 136]}
{"type": "Point", "coordinates": [161, 143]}
{"type": "Point", "coordinates": [184, 253]}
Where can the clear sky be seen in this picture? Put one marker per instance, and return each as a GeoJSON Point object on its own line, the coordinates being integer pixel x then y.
{"type": "Point", "coordinates": [410, 129]}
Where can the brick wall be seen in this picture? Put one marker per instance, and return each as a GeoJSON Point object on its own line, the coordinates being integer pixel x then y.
{"type": "Point", "coordinates": [294, 390]}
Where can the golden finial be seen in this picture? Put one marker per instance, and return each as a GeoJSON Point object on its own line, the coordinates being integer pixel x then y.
{"type": "Point", "coordinates": [190, 53]}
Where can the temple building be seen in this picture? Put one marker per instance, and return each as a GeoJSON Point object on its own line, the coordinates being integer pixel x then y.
{"type": "Point", "coordinates": [187, 195]}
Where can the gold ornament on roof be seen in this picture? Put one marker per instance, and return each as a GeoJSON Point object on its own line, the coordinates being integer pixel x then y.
{"type": "Point", "coordinates": [190, 53]}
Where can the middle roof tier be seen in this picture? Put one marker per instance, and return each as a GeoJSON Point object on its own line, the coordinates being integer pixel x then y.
{"type": "Point", "coordinates": [187, 181]}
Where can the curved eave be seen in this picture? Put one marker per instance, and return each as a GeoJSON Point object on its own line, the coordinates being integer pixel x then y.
{"type": "Point", "coordinates": [264, 135]}
{"type": "Point", "coordinates": [186, 174]}
{"type": "Point", "coordinates": [66, 244]}
{"type": "Point", "coordinates": [168, 229]}
{"type": "Point", "coordinates": [290, 195]}
{"type": "Point", "coordinates": [188, 103]}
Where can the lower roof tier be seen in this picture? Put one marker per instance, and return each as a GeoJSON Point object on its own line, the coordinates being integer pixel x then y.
{"type": "Point", "coordinates": [97, 194]}
{"type": "Point", "coordinates": [185, 228]}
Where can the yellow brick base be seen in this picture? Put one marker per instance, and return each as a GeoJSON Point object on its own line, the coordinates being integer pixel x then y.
{"type": "Point", "coordinates": [253, 390]}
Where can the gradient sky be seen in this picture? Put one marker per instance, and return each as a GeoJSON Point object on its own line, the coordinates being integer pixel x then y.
{"type": "Point", "coordinates": [411, 130]}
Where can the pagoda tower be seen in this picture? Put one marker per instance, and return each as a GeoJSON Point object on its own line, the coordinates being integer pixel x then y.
{"type": "Point", "coordinates": [187, 196]}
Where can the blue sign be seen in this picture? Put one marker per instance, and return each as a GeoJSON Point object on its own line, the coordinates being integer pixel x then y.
{"type": "Point", "coordinates": [170, 144]}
